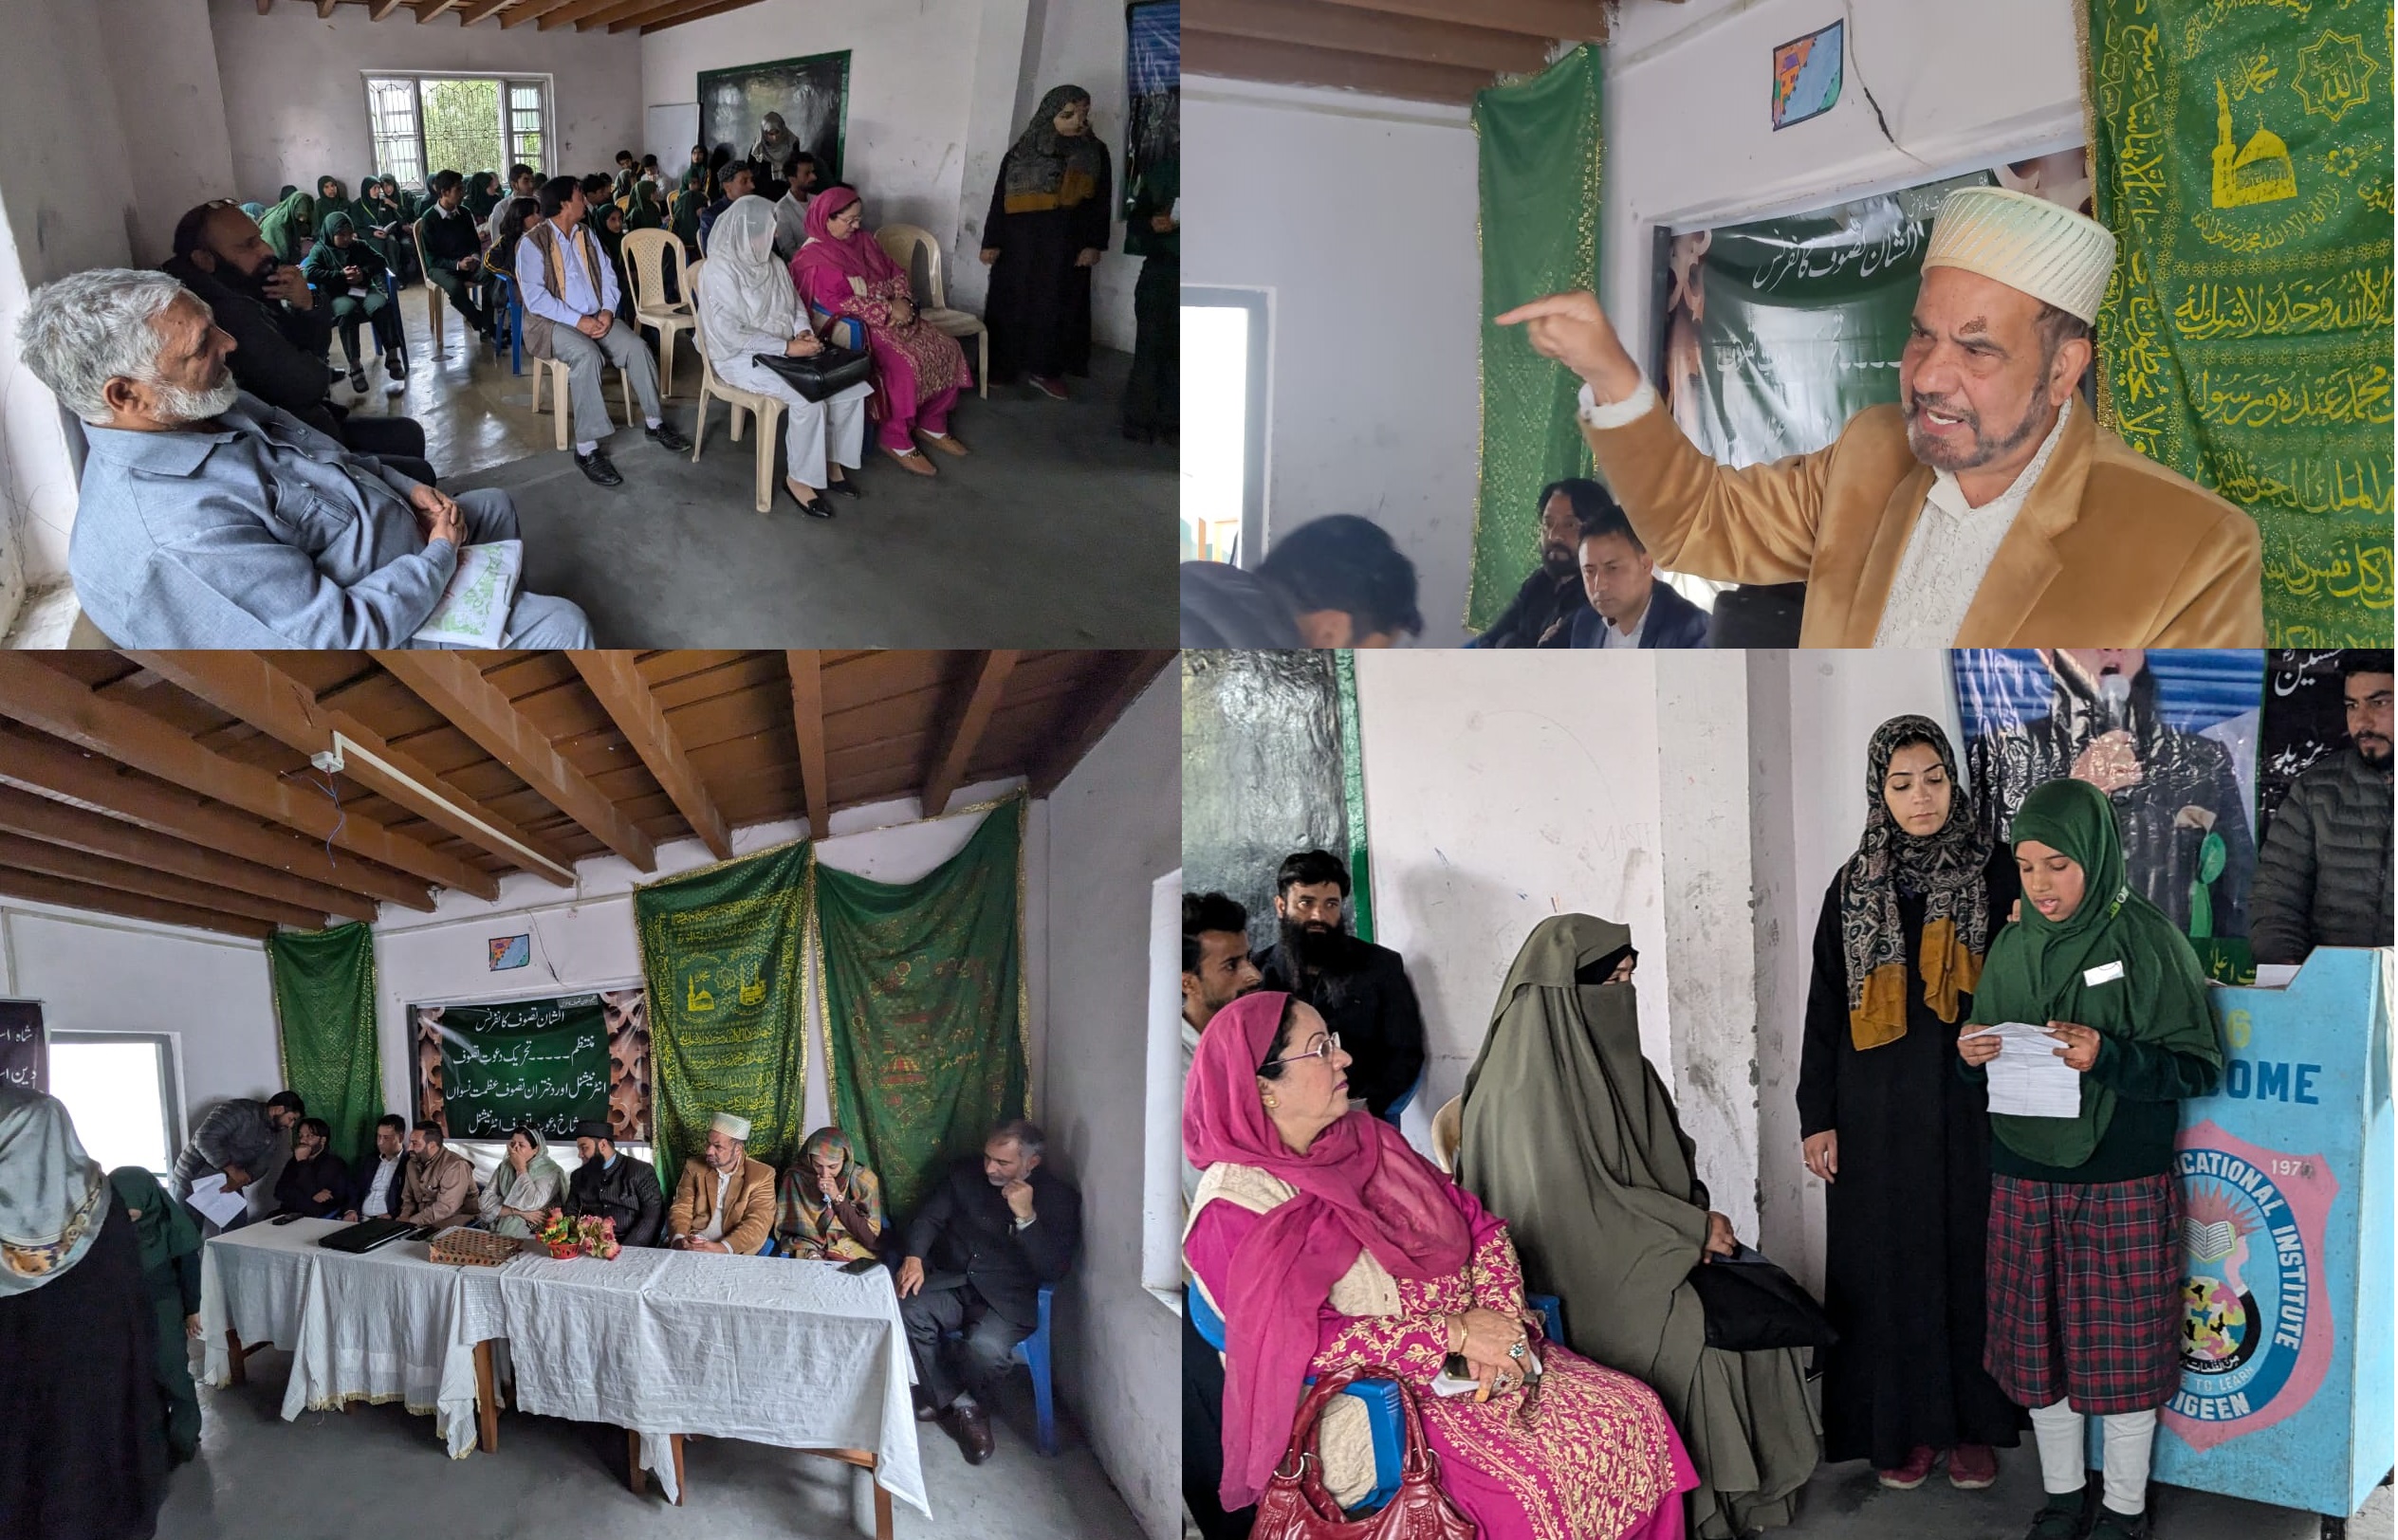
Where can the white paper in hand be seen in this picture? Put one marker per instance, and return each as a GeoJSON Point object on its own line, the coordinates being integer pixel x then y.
{"type": "Point", "coordinates": [473, 608]}
{"type": "Point", "coordinates": [2028, 1079]}
{"type": "Point", "coordinates": [211, 1198]}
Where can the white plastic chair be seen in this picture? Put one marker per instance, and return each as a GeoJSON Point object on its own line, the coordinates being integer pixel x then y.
{"type": "Point", "coordinates": [562, 404]}
{"type": "Point", "coordinates": [901, 242]}
{"type": "Point", "coordinates": [768, 408]}
{"type": "Point", "coordinates": [648, 253]}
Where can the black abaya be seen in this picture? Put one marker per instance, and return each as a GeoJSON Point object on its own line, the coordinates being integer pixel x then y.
{"type": "Point", "coordinates": [1906, 1214]}
{"type": "Point", "coordinates": [84, 1457]}
{"type": "Point", "coordinates": [1038, 308]}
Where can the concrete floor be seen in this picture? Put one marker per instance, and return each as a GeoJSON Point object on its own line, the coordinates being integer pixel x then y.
{"type": "Point", "coordinates": [378, 1470]}
{"type": "Point", "coordinates": [1055, 532]}
{"type": "Point", "coordinates": [1845, 1502]}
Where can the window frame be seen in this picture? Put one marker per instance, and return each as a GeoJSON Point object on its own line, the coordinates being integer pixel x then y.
{"type": "Point", "coordinates": [170, 1074]}
{"type": "Point", "coordinates": [505, 125]}
{"type": "Point", "coordinates": [1259, 304]}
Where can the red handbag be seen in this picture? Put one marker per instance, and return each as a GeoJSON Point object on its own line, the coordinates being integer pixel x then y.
{"type": "Point", "coordinates": [1297, 1505]}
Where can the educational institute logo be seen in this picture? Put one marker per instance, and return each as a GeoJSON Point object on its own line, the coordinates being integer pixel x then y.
{"type": "Point", "coordinates": [2256, 1322]}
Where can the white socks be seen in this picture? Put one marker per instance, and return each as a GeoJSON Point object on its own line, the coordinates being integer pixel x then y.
{"type": "Point", "coordinates": [653, 422]}
{"type": "Point", "coordinates": [585, 447]}
{"type": "Point", "coordinates": [2127, 1437]}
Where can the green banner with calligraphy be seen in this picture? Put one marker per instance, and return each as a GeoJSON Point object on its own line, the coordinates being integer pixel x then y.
{"type": "Point", "coordinates": [2241, 153]}
{"type": "Point", "coordinates": [484, 1069]}
{"type": "Point", "coordinates": [324, 984]}
{"type": "Point", "coordinates": [924, 1005]}
{"type": "Point", "coordinates": [722, 948]}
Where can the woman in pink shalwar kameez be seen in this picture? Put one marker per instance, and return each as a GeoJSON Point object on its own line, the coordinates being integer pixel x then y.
{"type": "Point", "coordinates": [1303, 1202]}
{"type": "Point", "coordinates": [842, 270]}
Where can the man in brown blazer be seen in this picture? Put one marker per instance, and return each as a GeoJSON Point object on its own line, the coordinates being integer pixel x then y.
{"type": "Point", "coordinates": [1986, 508]}
{"type": "Point", "coordinates": [438, 1189]}
{"type": "Point", "coordinates": [725, 1201]}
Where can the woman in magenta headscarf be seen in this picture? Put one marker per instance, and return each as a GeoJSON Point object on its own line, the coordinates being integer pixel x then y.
{"type": "Point", "coordinates": [1325, 1241]}
{"type": "Point", "coordinates": [918, 370]}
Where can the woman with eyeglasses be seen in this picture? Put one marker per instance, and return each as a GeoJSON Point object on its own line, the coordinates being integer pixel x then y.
{"type": "Point", "coordinates": [1324, 1242]}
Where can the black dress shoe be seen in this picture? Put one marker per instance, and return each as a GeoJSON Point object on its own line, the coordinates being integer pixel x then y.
{"type": "Point", "coordinates": [972, 1427]}
{"type": "Point", "coordinates": [599, 468]}
{"type": "Point", "coordinates": [666, 436]}
{"type": "Point", "coordinates": [847, 488]}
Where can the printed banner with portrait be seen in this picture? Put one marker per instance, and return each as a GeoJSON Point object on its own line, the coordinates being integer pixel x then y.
{"type": "Point", "coordinates": [548, 1064]}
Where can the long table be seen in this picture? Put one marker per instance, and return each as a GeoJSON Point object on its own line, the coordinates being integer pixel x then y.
{"type": "Point", "coordinates": [664, 1343]}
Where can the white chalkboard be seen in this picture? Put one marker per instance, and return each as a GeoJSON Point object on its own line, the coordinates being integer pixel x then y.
{"type": "Point", "coordinates": [672, 130]}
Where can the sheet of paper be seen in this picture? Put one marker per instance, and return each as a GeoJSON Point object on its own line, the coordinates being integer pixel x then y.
{"type": "Point", "coordinates": [2028, 1079]}
{"type": "Point", "coordinates": [2276, 975]}
{"type": "Point", "coordinates": [473, 608]}
{"type": "Point", "coordinates": [221, 1208]}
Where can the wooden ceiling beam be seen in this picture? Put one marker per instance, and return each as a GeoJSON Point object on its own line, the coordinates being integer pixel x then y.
{"type": "Point", "coordinates": [1349, 29]}
{"type": "Point", "coordinates": [377, 10]}
{"type": "Point", "coordinates": [1582, 21]}
{"type": "Point", "coordinates": [94, 899]}
{"type": "Point", "coordinates": [621, 692]}
{"type": "Point", "coordinates": [475, 11]}
{"type": "Point", "coordinates": [53, 767]}
{"type": "Point", "coordinates": [954, 743]}
{"type": "Point", "coordinates": [96, 833]}
{"type": "Point", "coordinates": [324, 9]}
{"type": "Point", "coordinates": [453, 683]}
{"type": "Point", "coordinates": [1114, 685]}
{"type": "Point", "coordinates": [691, 10]}
{"type": "Point", "coordinates": [618, 11]}
{"type": "Point", "coordinates": [266, 7]}
{"type": "Point", "coordinates": [526, 10]}
{"type": "Point", "coordinates": [572, 10]}
{"type": "Point", "coordinates": [60, 704]}
{"type": "Point", "coordinates": [1288, 64]}
{"type": "Point", "coordinates": [252, 687]}
{"type": "Point", "coordinates": [807, 722]}
{"type": "Point", "coordinates": [127, 877]}
{"type": "Point", "coordinates": [427, 9]}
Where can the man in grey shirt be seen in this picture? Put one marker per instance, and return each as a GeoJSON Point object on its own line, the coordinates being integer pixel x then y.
{"type": "Point", "coordinates": [208, 519]}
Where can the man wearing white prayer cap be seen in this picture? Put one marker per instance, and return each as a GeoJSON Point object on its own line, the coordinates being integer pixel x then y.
{"type": "Point", "coordinates": [1985, 508]}
{"type": "Point", "coordinates": [725, 1201]}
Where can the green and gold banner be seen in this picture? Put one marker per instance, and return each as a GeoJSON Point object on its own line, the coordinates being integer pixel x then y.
{"type": "Point", "coordinates": [2241, 153]}
{"type": "Point", "coordinates": [723, 949]}
{"type": "Point", "coordinates": [324, 982]}
{"type": "Point", "coordinates": [924, 1005]}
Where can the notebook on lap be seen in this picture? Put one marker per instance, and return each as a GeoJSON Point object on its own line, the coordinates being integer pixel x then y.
{"type": "Point", "coordinates": [366, 1234]}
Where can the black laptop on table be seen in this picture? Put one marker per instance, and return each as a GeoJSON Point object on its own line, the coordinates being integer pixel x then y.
{"type": "Point", "coordinates": [367, 1234]}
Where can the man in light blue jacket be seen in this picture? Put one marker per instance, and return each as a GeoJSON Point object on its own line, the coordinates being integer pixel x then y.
{"type": "Point", "coordinates": [209, 518]}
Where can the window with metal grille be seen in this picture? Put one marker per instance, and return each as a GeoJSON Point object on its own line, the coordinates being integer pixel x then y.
{"type": "Point", "coordinates": [465, 124]}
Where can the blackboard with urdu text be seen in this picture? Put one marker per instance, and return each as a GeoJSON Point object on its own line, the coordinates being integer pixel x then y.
{"type": "Point", "coordinates": [483, 1069]}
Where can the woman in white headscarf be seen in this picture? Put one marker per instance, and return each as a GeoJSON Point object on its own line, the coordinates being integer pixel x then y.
{"type": "Point", "coordinates": [86, 1453]}
{"type": "Point", "coordinates": [747, 305]}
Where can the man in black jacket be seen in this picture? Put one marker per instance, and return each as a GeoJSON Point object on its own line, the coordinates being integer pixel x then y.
{"type": "Point", "coordinates": [2323, 877]}
{"type": "Point", "coordinates": [614, 1187]}
{"type": "Point", "coordinates": [991, 1233]}
{"type": "Point", "coordinates": [280, 334]}
{"type": "Point", "coordinates": [378, 1182]}
{"type": "Point", "coordinates": [1361, 989]}
{"type": "Point", "coordinates": [1543, 608]}
{"type": "Point", "coordinates": [453, 251]}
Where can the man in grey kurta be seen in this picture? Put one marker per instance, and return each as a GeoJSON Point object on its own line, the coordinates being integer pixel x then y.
{"type": "Point", "coordinates": [208, 519]}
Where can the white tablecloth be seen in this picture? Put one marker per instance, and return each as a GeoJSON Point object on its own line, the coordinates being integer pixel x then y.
{"type": "Point", "coordinates": [389, 1324]}
{"type": "Point", "coordinates": [797, 1354]}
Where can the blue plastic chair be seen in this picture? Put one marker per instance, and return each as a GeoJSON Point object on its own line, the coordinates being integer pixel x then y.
{"type": "Point", "coordinates": [1381, 1399]}
{"type": "Point", "coordinates": [391, 295]}
{"type": "Point", "coordinates": [515, 324]}
{"type": "Point", "coordinates": [1033, 1353]}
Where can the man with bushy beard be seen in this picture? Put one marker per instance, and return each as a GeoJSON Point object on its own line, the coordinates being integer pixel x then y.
{"type": "Point", "coordinates": [280, 335]}
{"type": "Point", "coordinates": [1543, 608]}
{"type": "Point", "coordinates": [1361, 989]}
{"type": "Point", "coordinates": [207, 518]}
{"type": "Point", "coordinates": [2323, 878]}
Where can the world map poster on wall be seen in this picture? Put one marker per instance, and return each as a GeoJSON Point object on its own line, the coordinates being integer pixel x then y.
{"type": "Point", "coordinates": [811, 93]}
{"type": "Point", "coordinates": [482, 1070]}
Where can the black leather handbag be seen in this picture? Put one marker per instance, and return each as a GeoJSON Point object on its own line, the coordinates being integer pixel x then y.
{"type": "Point", "coordinates": [820, 374]}
{"type": "Point", "coordinates": [1750, 1303]}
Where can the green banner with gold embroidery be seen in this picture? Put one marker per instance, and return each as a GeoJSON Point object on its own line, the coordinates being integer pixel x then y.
{"type": "Point", "coordinates": [723, 949]}
{"type": "Point", "coordinates": [2241, 158]}
{"type": "Point", "coordinates": [924, 1006]}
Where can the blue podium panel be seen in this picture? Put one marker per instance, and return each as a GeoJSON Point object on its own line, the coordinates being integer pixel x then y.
{"type": "Point", "coordinates": [2286, 1190]}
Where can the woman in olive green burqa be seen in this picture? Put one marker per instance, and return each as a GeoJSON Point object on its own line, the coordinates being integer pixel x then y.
{"type": "Point", "coordinates": [170, 1265]}
{"type": "Point", "coordinates": [1569, 1134]}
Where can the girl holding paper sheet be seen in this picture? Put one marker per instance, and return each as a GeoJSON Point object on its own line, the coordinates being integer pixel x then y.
{"type": "Point", "coordinates": [2085, 1306]}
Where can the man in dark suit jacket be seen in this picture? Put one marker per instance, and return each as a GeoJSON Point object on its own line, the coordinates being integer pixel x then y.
{"type": "Point", "coordinates": [1629, 606]}
{"type": "Point", "coordinates": [614, 1187]}
{"type": "Point", "coordinates": [379, 1179]}
{"type": "Point", "coordinates": [991, 1233]}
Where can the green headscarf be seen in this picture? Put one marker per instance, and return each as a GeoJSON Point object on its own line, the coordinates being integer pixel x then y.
{"type": "Point", "coordinates": [2037, 968]}
{"type": "Point", "coordinates": [645, 213]}
{"type": "Point", "coordinates": [163, 1225]}
{"type": "Point", "coordinates": [482, 194]}
{"type": "Point", "coordinates": [325, 261]}
{"type": "Point", "coordinates": [53, 1198]}
{"type": "Point", "coordinates": [286, 222]}
{"type": "Point", "coordinates": [341, 193]}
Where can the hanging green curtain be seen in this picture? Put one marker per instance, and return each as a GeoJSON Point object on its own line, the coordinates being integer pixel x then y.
{"type": "Point", "coordinates": [722, 949]}
{"type": "Point", "coordinates": [2241, 155]}
{"type": "Point", "coordinates": [1353, 796]}
{"type": "Point", "coordinates": [1539, 150]}
{"type": "Point", "coordinates": [924, 1005]}
{"type": "Point", "coordinates": [324, 982]}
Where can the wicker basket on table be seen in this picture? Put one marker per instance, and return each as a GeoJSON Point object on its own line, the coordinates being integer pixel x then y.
{"type": "Point", "coordinates": [463, 1247]}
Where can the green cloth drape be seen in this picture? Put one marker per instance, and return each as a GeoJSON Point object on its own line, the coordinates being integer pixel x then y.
{"type": "Point", "coordinates": [1539, 150]}
{"type": "Point", "coordinates": [1353, 794]}
{"type": "Point", "coordinates": [2241, 156]}
{"type": "Point", "coordinates": [324, 982]}
{"type": "Point", "coordinates": [925, 1007]}
{"type": "Point", "coordinates": [722, 949]}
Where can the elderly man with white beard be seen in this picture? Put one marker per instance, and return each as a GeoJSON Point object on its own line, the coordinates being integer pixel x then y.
{"type": "Point", "coordinates": [1984, 508]}
{"type": "Point", "coordinates": [209, 518]}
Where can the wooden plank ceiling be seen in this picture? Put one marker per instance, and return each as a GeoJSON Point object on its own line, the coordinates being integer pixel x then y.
{"type": "Point", "coordinates": [178, 786]}
{"type": "Point", "coordinates": [583, 15]}
{"type": "Point", "coordinates": [1430, 51]}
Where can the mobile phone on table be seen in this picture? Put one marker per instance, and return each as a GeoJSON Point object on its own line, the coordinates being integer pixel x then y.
{"type": "Point", "coordinates": [283, 1218]}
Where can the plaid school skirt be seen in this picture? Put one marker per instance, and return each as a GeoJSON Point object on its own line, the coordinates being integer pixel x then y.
{"type": "Point", "coordinates": [2085, 1293]}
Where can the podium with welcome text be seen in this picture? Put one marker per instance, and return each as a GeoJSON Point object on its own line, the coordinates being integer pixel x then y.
{"type": "Point", "coordinates": [2286, 1233]}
